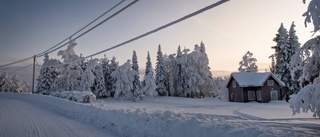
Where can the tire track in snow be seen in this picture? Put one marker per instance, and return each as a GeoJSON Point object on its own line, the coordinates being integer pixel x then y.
{"type": "Point", "coordinates": [22, 117]}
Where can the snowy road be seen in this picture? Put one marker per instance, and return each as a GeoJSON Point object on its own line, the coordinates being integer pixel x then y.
{"type": "Point", "coordinates": [29, 119]}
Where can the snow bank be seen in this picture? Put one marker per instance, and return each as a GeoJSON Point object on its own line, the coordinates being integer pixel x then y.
{"type": "Point", "coordinates": [77, 96]}
{"type": "Point", "coordinates": [140, 123]}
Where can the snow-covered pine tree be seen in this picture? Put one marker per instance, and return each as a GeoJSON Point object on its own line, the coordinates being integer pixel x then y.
{"type": "Point", "coordinates": [307, 60]}
{"type": "Point", "coordinates": [136, 81]}
{"type": "Point", "coordinates": [193, 79]}
{"type": "Point", "coordinates": [148, 85]}
{"type": "Point", "coordinates": [124, 81]}
{"type": "Point", "coordinates": [70, 77]}
{"type": "Point", "coordinates": [98, 87]}
{"type": "Point", "coordinates": [1, 80]}
{"type": "Point", "coordinates": [248, 63]}
{"type": "Point", "coordinates": [179, 78]}
{"type": "Point", "coordinates": [295, 72]}
{"type": "Point", "coordinates": [6, 82]}
{"type": "Point", "coordinates": [161, 87]}
{"type": "Point", "coordinates": [313, 12]}
{"type": "Point", "coordinates": [87, 77]}
{"type": "Point", "coordinates": [16, 84]}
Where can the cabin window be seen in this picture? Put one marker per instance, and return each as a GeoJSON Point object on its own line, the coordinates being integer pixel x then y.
{"type": "Point", "coordinates": [258, 94]}
{"type": "Point", "coordinates": [251, 95]}
{"type": "Point", "coordinates": [234, 84]}
{"type": "Point", "coordinates": [270, 83]}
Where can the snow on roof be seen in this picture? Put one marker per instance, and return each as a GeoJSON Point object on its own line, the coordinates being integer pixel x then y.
{"type": "Point", "coordinates": [253, 79]}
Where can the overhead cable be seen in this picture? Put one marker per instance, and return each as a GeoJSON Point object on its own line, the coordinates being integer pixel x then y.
{"type": "Point", "coordinates": [42, 53]}
{"type": "Point", "coordinates": [16, 62]}
{"type": "Point", "coordinates": [113, 15]}
{"type": "Point", "coordinates": [20, 68]}
{"type": "Point", "coordinates": [162, 27]}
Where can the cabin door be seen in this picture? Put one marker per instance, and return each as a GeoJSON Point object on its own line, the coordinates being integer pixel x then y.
{"type": "Point", "coordinates": [274, 95]}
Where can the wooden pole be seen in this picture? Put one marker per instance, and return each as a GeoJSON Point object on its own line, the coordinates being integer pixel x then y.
{"type": "Point", "coordinates": [33, 75]}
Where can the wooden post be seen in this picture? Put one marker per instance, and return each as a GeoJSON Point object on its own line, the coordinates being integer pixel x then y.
{"type": "Point", "coordinates": [33, 75]}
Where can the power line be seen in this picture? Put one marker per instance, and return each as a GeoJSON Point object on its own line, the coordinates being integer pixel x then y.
{"type": "Point", "coordinates": [152, 31]}
{"type": "Point", "coordinates": [42, 53]}
{"type": "Point", "coordinates": [113, 15]}
{"type": "Point", "coordinates": [20, 68]}
{"type": "Point", "coordinates": [16, 62]}
{"type": "Point", "coordinates": [162, 27]}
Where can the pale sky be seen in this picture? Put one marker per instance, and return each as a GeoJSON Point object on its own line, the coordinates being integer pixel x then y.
{"type": "Point", "coordinates": [228, 31]}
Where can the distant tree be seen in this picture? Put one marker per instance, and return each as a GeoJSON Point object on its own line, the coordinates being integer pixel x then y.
{"type": "Point", "coordinates": [124, 81]}
{"type": "Point", "coordinates": [136, 81]}
{"type": "Point", "coordinates": [160, 79]}
{"type": "Point", "coordinates": [248, 63]}
{"type": "Point", "coordinates": [148, 84]}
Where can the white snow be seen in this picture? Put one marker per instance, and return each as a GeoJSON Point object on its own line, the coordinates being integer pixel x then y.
{"type": "Point", "coordinates": [172, 116]}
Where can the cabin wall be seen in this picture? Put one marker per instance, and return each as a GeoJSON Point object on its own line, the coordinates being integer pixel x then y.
{"type": "Point", "coordinates": [235, 93]}
{"type": "Point", "coordinates": [266, 91]}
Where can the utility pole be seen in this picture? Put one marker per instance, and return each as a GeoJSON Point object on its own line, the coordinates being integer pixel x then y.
{"type": "Point", "coordinates": [33, 75]}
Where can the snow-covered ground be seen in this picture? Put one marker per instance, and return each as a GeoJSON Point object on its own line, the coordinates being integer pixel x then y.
{"type": "Point", "coordinates": [171, 116]}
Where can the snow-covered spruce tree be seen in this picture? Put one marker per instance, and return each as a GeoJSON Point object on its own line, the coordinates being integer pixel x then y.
{"type": "Point", "coordinates": [148, 85]}
{"type": "Point", "coordinates": [179, 78]}
{"type": "Point", "coordinates": [87, 77]}
{"type": "Point", "coordinates": [108, 67]}
{"type": "Point", "coordinates": [48, 74]}
{"type": "Point", "coordinates": [99, 88]}
{"type": "Point", "coordinates": [295, 71]}
{"type": "Point", "coordinates": [204, 71]}
{"type": "Point", "coordinates": [161, 87]}
{"type": "Point", "coordinates": [170, 73]}
{"type": "Point", "coordinates": [248, 63]}
{"type": "Point", "coordinates": [283, 56]}
{"type": "Point", "coordinates": [136, 81]}
{"type": "Point", "coordinates": [16, 84]}
{"type": "Point", "coordinates": [1, 80]}
{"type": "Point", "coordinates": [124, 81]}
{"type": "Point", "coordinates": [307, 60]}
